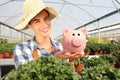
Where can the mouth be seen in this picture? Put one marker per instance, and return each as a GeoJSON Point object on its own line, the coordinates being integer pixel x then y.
{"type": "Point", "coordinates": [45, 30]}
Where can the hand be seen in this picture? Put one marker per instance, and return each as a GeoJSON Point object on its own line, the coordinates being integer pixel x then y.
{"type": "Point", "coordinates": [66, 55]}
{"type": "Point", "coordinates": [63, 55]}
{"type": "Point", "coordinates": [75, 56]}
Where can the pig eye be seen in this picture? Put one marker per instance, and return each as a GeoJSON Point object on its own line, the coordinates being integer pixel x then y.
{"type": "Point", "coordinates": [78, 34]}
{"type": "Point", "coordinates": [73, 34]}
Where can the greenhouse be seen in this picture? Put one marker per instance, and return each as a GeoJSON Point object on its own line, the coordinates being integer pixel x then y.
{"type": "Point", "coordinates": [101, 18]}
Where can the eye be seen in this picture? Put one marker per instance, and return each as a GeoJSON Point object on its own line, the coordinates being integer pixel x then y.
{"type": "Point", "coordinates": [73, 34]}
{"type": "Point", "coordinates": [78, 34]}
{"type": "Point", "coordinates": [36, 21]}
{"type": "Point", "coordinates": [47, 18]}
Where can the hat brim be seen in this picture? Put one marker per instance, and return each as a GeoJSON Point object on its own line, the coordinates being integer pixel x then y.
{"type": "Point", "coordinates": [23, 24]}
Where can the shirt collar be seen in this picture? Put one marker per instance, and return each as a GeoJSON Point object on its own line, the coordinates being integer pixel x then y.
{"type": "Point", "coordinates": [34, 45]}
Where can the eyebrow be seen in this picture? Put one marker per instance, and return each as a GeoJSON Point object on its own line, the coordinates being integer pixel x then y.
{"type": "Point", "coordinates": [36, 20]}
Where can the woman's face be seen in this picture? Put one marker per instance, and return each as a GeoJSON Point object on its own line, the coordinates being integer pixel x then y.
{"type": "Point", "coordinates": [41, 24]}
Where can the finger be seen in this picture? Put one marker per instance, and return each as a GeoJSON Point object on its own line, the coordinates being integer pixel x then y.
{"type": "Point", "coordinates": [64, 55]}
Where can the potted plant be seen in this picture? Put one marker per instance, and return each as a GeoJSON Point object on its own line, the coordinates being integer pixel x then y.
{"type": "Point", "coordinates": [95, 48]}
{"type": "Point", "coordinates": [102, 48]}
{"type": "Point", "coordinates": [109, 59]}
{"type": "Point", "coordinates": [117, 55]}
{"type": "Point", "coordinates": [87, 51]}
{"type": "Point", "coordinates": [78, 65]}
{"type": "Point", "coordinates": [44, 68]}
{"type": "Point", "coordinates": [110, 49]}
{"type": "Point", "coordinates": [1, 51]}
{"type": "Point", "coordinates": [6, 52]}
{"type": "Point", "coordinates": [104, 72]}
{"type": "Point", "coordinates": [113, 61]}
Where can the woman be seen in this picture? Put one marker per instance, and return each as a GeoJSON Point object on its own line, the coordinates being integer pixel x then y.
{"type": "Point", "coordinates": [37, 16]}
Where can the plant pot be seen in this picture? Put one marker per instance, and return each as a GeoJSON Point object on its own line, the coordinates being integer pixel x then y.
{"type": "Point", "coordinates": [6, 54]}
{"type": "Point", "coordinates": [96, 53]}
{"type": "Point", "coordinates": [111, 52]}
{"type": "Point", "coordinates": [11, 56]}
{"type": "Point", "coordinates": [79, 68]}
{"type": "Point", "coordinates": [87, 53]}
{"type": "Point", "coordinates": [117, 65]}
{"type": "Point", "coordinates": [1, 56]}
{"type": "Point", "coordinates": [112, 64]}
{"type": "Point", "coordinates": [104, 51]}
{"type": "Point", "coordinates": [101, 52]}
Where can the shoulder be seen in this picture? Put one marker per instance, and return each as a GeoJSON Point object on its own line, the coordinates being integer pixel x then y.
{"type": "Point", "coordinates": [23, 44]}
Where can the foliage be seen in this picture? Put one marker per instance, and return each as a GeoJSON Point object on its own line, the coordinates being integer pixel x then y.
{"type": "Point", "coordinates": [54, 69]}
{"type": "Point", "coordinates": [94, 47]}
{"type": "Point", "coordinates": [44, 68]}
{"type": "Point", "coordinates": [95, 40]}
{"type": "Point", "coordinates": [94, 62]}
{"type": "Point", "coordinates": [81, 60]}
{"type": "Point", "coordinates": [3, 41]}
{"type": "Point", "coordinates": [116, 54]}
{"type": "Point", "coordinates": [108, 58]}
{"type": "Point", "coordinates": [110, 47]}
{"type": "Point", "coordinates": [100, 73]}
{"type": "Point", "coordinates": [98, 69]}
{"type": "Point", "coordinates": [87, 49]}
{"type": "Point", "coordinates": [7, 47]}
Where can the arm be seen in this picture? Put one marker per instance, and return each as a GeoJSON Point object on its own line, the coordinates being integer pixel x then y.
{"type": "Point", "coordinates": [19, 56]}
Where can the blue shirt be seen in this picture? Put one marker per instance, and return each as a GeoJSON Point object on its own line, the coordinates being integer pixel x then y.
{"type": "Point", "coordinates": [23, 52]}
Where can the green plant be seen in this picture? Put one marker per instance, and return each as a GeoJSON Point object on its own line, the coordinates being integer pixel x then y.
{"type": "Point", "coordinates": [87, 49]}
{"type": "Point", "coordinates": [77, 62]}
{"type": "Point", "coordinates": [108, 58]}
{"type": "Point", "coordinates": [98, 69]}
{"type": "Point", "coordinates": [81, 60]}
{"type": "Point", "coordinates": [44, 68]}
{"type": "Point", "coordinates": [110, 48]}
{"type": "Point", "coordinates": [103, 72]}
{"type": "Point", "coordinates": [3, 41]}
{"type": "Point", "coordinates": [116, 54]}
{"type": "Point", "coordinates": [1, 48]}
{"type": "Point", "coordinates": [7, 48]}
{"type": "Point", "coordinates": [94, 62]}
{"type": "Point", "coordinates": [94, 48]}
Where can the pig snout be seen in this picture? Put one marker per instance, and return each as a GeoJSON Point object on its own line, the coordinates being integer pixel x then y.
{"type": "Point", "coordinates": [76, 42]}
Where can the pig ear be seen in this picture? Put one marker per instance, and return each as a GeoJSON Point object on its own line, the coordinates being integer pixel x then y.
{"type": "Point", "coordinates": [65, 31]}
{"type": "Point", "coordinates": [84, 30]}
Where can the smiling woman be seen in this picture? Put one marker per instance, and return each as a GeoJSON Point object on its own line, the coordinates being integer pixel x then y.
{"type": "Point", "coordinates": [38, 19]}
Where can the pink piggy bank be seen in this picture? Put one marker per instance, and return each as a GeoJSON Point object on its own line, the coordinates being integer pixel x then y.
{"type": "Point", "coordinates": [74, 40]}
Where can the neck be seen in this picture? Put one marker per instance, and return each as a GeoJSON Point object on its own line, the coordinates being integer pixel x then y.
{"type": "Point", "coordinates": [42, 40]}
{"type": "Point", "coordinates": [44, 43]}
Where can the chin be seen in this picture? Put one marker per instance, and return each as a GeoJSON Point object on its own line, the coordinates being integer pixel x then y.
{"type": "Point", "coordinates": [46, 34]}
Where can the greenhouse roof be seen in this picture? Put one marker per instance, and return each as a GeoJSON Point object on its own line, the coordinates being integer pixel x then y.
{"type": "Point", "coordinates": [74, 14]}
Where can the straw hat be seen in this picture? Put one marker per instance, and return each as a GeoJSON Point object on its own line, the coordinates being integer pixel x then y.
{"type": "Point", "coordinates": [30, 9]}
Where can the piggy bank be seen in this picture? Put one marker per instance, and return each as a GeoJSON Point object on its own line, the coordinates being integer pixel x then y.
{"type": "Point", "coordinates": [74, 40]}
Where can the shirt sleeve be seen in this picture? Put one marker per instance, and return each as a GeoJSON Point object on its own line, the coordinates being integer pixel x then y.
{"type": "Point", "coordinates": [19, 55]}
